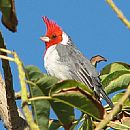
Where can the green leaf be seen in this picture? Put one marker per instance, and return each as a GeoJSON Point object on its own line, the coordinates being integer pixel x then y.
{"type": "Point", "coordinates": [118, 96]}
{"type": "Point", "coordinates": [41, 108]}
{"type": "Point", "coordinates": [79, 97]}
{"type": "Point", "coordinates": [113, 67]}
{"type": "Point", "coordinates": [70, 84]}
{"type": "Point", "coordinates": [45, 83]}
{"type": "Point", "coordinates": [54, 125]}
{"type": "Point", "coordinates": [115, 77]}
{"type": "Point", "coordinates": [9, 18]}
{"type": "Point", "coordinates": [64, 112]}
{"type": "Point", "coordinates": [82, 102]}
{"type": "Point", "coordinates": [116, 81]}
{"type": "Point", "coordinates": [33, 72]}
{"type": "Point", "coordinates": [116, 66]}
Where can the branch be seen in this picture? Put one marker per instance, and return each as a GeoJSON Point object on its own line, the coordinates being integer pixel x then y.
{"type": "Point", "coordinates": [8, 108]}
{"type": "Point", "coordinates": [24, 92]}
{"type": "Point", "coordinates": [4, 111]}
{"type": "Point", "coordinates": [115, 110]}
{"type": "Point", "coordinates": [119, 13]}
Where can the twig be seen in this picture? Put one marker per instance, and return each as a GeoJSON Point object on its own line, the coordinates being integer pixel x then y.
{"type": "Point", "coordinates": [115, 110]}
{"type": "Point", "coordinates": [119, 13]}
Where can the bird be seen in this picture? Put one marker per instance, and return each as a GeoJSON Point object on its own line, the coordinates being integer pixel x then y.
{"type": "Point", "coordinates": [63, 60]}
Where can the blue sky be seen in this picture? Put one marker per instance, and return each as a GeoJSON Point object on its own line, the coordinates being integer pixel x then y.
{"type": "Point", "coordinates": [93, 26]}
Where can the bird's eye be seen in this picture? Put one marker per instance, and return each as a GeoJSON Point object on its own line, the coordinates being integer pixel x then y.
{"type": "Point", "coordinates": [54, 36]}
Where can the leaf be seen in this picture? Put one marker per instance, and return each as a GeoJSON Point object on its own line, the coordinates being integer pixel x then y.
{"type": "Point", "coordinates": [33, 72]}
{"type": "Point", "coordinates": [45, 83]}
{"type": "Point", "coordinates": [116, 81]}
{"type": "Point", "coordinates": [64, 112]}
{"type": "Point", "coordinates": [116, 66]}
{"type": "Point", "coordinates": [54, 125]}
{"type": "Point", "coordinates": [41, 108]}
{"type": "Point", "coordinates": [79, 97]}
{"type": "Point", "coordinates": [9, 18]}
{"type": "Point", "coordinates": [70, 84]}
{"type": "Point", "coordinates": [113, 67]}
{"type": "Point", "coordinates": [81, 102]}
{"type": "Point", "coordinates": [115, 77]}
{"type": "Point", "coordinates": [118, 96]}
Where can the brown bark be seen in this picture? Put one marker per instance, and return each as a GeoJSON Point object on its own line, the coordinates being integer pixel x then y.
{"type": "Point", "coordinates": [19, 123]}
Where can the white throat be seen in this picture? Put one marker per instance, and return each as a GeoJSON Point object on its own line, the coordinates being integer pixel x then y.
{"type": "Point", "coordinates": [65, 39]}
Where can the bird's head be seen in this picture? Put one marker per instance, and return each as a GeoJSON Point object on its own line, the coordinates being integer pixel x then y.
{"type": "Point", "coordinates": [53, 33]}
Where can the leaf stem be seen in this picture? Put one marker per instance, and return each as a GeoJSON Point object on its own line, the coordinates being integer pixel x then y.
{"type": "Point", "coordinates": [40, 98]}
{"type": "Point", "coordinates": [30, 82]}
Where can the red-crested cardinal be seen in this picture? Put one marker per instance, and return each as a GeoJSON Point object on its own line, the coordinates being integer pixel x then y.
{"type": "Point", "coordinates": [64, 61]}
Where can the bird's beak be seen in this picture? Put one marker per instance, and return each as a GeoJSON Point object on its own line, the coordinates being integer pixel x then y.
{"type": "Point", "coordinates": [45, 39]}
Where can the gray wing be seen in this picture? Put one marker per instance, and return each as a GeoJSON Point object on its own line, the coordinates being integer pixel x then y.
{"type": "Point", "coordinates": [80, 67]}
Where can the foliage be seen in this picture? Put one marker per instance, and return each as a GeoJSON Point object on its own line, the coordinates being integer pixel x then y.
{"type": "Point", "coordinates": [9, 18]}
{"type": "Point", "coordinates": [64, 97]}
{"type": "Point", "coordinates": [77, 95]}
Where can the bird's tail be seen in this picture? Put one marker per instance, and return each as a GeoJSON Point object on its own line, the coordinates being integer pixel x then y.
{"type": "Point", "coordinates": [108, 100]}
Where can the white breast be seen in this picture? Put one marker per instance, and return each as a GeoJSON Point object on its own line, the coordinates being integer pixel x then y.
{"type": "Point", "coordinates": [55, 66]}
{"type": "Point", "coordinates": [50, 58]}
{"type": "Point", "coordinates": [54, 63]}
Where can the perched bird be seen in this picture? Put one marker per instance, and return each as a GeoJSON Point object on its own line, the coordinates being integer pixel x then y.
{"type": "Point", "coordinates": [64, 61]}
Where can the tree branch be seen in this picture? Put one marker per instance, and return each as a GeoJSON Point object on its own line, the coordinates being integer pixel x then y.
{"type": "Point", "coordinates": [119, 13]}
{"type": "Point", "coordinates": [8, 108]}
{"type": "Point", "coordinates": [4, 111]}
{"type": "Point", "coordinates": [24, 92]}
